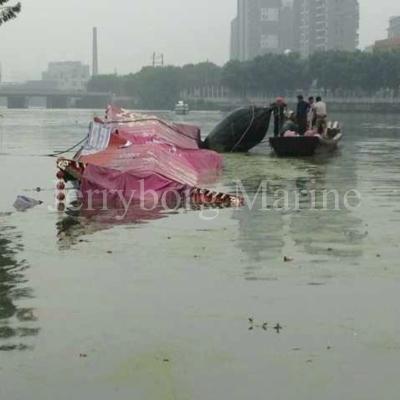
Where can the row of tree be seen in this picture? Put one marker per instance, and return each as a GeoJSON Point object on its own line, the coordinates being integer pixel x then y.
{"type": "Point", "coordinates": [341, 73]}
{"type": "Point", "coordinates": [158, 87]}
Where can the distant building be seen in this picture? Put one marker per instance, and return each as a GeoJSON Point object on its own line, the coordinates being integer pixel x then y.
{"type": "Point", "coordinates": [393, 40]}
{"type": "Point", "coordinates": [387, 44]}
{"type": "Point", "coordinates": [394, 28]}
{"type": "Point", "coordinates": [323, 25]}
{"type": "Point", "coordinates": [256, 29]}
{"type": "Point", "coordinates": [303, 26]}
{"type": "Point", "coordinates": [235, 53]}
{"type": "Point", "coordinates": [287, 27]}
{"type": "Point", "coordinates": [68, 75]}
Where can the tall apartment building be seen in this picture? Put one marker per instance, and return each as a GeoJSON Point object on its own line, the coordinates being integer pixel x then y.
{"type": "Point", "coordinates": [304, 26]}
{"type": "Point", "coordinates": [394, 28]}
{"type": "Point", "coordinates": [287, 26]}
{"type": "Point", "coordinates": [322, 25]}
{"type": "Point", "coordinates": [257, 29]}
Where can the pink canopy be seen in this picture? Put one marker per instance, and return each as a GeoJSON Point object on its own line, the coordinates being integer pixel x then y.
{"type": "Point", "coordinates": [135, 156]}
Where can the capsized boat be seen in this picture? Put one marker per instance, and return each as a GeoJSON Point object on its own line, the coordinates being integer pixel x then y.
{"type": "Point", "coordinates": [240, 131]}
{"type": "Point", "coordinates": [140, 159]}
{"type": "Point", "coordinates": [307, 146]}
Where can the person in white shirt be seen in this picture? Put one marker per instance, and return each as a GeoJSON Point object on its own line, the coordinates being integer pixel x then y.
{"type": "Point", "coordinates": [311, 114]}
{"type": "Point", "coordinates": [321, 115]}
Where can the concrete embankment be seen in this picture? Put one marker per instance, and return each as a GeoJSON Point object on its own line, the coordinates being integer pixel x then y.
{"type": "Point", "coordinates": [372, 105]}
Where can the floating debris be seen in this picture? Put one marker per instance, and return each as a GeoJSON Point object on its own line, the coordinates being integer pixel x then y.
{"type": "Point", "coordinates": [23, 203]}
{"type": "Point", "coordinates": [263, 326]}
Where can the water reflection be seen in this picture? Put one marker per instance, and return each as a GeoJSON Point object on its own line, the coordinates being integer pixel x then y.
{"type": "Point", "coordinates": [72, 228]}
{"type": "Point", "coordinates": [267, 235]}
{"type": "Point", "coordinates": [17, 323]}
{"type": "Point", "coordinates": [260, 230]}
{"type": "Point", "coordinates": [328, 231]}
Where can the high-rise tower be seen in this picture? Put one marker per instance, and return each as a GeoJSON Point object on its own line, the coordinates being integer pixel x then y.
{"type": "Point", "coordinates": [326, 25]}
{"type": "Point", "coordinates": [95, 61]}
{"type": "Point", "coordinates": [394, 28]}
{"type": "Point", "coordinates": [256, 29]}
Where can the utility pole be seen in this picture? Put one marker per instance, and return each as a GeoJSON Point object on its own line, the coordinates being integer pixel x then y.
{"type": "Point", "coordinates": [157, 60]}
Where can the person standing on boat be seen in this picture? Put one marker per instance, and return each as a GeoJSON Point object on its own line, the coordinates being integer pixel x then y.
{"type": "Point", "coordinates": [321, 114]}
{"type": "Point", "coordinates": [279, 108]}
{"type": "Point", "coordinates": [302, 114]}
{"type": "Point", "coordinates": [311, 114]}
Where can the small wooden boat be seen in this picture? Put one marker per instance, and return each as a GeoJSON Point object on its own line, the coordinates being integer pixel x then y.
{"type": "Point", "coordinates": [182, 108]}
{"type": "Point", "coordinates": [307, 146]}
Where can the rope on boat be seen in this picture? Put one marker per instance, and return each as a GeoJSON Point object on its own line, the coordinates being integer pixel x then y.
{"type": "Point", "coordinates": [58, 153]}
{"type": "Point", "coordinates": [246, 131]}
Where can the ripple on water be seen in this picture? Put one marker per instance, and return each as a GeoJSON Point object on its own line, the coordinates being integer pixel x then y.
{"type": "Point", "coordinates": [18, 324]}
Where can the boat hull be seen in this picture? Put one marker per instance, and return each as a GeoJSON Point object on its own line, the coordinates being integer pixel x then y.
{"type": "Point", "coordinates": [298, 146]}
{"type": "Point", "coordinates": [303, 146]}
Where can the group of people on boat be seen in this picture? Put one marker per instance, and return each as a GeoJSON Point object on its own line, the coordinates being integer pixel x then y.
{"type": "Point", "coordinates": [309, 119]}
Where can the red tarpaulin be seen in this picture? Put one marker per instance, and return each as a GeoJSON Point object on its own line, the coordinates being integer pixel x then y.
{"type": "Point", "coordinates": [132, 155]}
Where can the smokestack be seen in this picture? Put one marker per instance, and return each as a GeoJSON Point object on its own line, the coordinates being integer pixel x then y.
{"type": "Point", "coordinates": [95, 61]}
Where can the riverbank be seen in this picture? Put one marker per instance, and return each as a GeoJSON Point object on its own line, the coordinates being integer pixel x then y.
{"type": "Point", "coordinates": [342, 105]}
{"type": "Point", "coordinates": [345, 105]}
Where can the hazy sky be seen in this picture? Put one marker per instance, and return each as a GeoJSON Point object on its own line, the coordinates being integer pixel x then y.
{"type": "Point", "coordinates": [130, 30]}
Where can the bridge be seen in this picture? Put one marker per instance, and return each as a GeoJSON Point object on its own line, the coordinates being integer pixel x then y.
{"type": "Point", "coordinates": [18, 96]}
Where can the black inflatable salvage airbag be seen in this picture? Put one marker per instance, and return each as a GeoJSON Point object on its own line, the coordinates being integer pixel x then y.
{"type": "Point", "coordinates": [240, 131]}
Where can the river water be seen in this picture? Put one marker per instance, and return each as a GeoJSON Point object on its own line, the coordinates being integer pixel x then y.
{"type": "Point", "coordinates": [192, 305]}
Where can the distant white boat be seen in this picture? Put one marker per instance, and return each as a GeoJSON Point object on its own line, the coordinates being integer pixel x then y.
{"type": "Point", "coordinates": [182, 108]}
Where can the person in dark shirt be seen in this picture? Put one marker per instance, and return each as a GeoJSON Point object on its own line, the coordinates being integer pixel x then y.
{"type": "Point", "coordinates": [303, 109]}
{"type": "Point", "coordinates": [279, 108]}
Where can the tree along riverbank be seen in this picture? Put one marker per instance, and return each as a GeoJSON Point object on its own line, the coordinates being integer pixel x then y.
{"type": "Point", "coordinates": [332, 74]}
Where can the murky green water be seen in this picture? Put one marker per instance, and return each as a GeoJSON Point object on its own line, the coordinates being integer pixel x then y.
{"type": "Point", "coordinates": [165, 315]}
